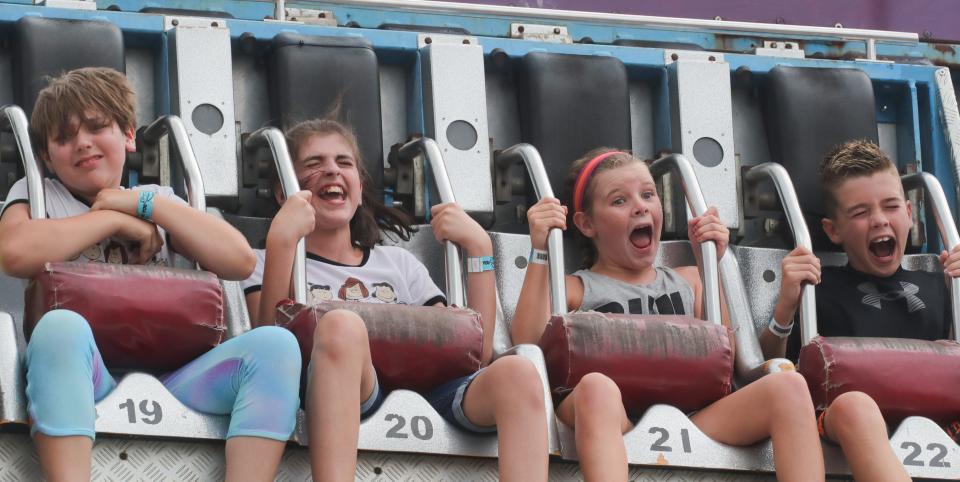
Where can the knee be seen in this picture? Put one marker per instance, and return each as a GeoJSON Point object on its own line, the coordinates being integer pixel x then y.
{"type": "Point", "coordinates": [854, 412]}
{"type": "Point", "coordinates": [274, 344]}
{"type": "Point", "coordinates": [58, 330]}
{"type": "Point", "coordinates": [597, 398]}
{"type": "Point", "coordinates": [339, 333]}
{"type": "Point", "coordinates": [789, 393]}
{"type": "Point", "coordinates": [517, 378]}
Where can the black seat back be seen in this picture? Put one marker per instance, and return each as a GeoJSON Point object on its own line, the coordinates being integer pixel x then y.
{"type": "Point", "coordinates": [570, 104]}
{"type": "Point", "coordinates": [46, 47]}
{"type": "Point", "coordinates": [311, 76]}
{"type": "Point", "coordinates": [810, 111]}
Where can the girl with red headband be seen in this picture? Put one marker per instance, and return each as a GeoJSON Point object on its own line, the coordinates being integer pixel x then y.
{"type": "Point", "coordinates": [618, 217]}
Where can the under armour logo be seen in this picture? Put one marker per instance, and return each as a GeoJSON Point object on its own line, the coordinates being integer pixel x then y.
{"type": "Point", "coordinates": [908, 290]}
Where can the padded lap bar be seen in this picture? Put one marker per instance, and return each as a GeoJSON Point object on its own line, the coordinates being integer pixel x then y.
{"type": "Point", "coordinates": [45, 47]}
{"type": "Point", "coordinates": [412, 347]}
{"type": "Point", "coordinates": [142, 317]}
{"type": "Point", "coordinates": [809, 111]}
{"type": "Point", "coordinates": [310, 75]}
{"type": "Point", "coordinates": [904, 377]}
{"type": "Point", "coordinates": [677, 360]}
{"type": "Point", "coordinates": [570, 104]}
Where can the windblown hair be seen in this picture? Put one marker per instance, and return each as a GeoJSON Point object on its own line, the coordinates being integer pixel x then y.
{"type": "Point", "coordinates": [850, 160]}
{"type": "Point", "coordinates": [99, 91]}
{"type": "Point", "coordinates": [372, 215]}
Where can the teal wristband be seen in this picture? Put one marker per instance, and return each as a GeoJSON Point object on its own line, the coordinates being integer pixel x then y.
{"type": "Point", "coordinates": [479, 264]}
{"type": "Point", "coordinates": [145, 205]}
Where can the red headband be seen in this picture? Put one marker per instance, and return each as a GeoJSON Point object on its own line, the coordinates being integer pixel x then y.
{"type": "Point", "coordinates": [584, 177]}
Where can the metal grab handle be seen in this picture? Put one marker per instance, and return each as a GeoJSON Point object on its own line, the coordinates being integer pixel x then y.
{"type": "Point", "coordinates": [174, 126]}
{"type": "Point", "coordinates": [431, 151]}
{"type": "Point", "coordinates": [541, 185]}
{"type": "Point", "coordinates": [273, 138]}
{"type": "Point", "coordinates": [13, 116]}
{"type": "Point", "coordinates": [708, 250]}
{"type": "Point", "coordinates": [946, 226]}
{"type": "Point", "coordinates": [801, 236]}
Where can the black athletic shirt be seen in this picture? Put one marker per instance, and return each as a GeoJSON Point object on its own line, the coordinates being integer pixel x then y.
{"type": "Point", "coordinates": [908, 304]}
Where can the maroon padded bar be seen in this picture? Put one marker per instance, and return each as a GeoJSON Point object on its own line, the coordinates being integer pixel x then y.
{"type": "Point", "coordinates": [904, 377]}
{"type": "Point", "coordinates": [676, 360]}
{"type": "Point", "coordinates": [142, 317]}
{"type": "Point", "coordinates": [413, 347]}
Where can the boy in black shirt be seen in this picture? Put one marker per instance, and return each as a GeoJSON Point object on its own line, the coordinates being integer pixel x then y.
{"type": "Point", "coordinates": [872, 295]}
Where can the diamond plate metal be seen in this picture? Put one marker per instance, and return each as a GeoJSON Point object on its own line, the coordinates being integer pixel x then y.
{"type": "Point", "coordinates": [155, 460]}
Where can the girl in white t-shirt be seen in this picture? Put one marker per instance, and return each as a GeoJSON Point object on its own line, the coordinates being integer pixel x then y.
{"type": "Point", "coordinates": [340, 217]}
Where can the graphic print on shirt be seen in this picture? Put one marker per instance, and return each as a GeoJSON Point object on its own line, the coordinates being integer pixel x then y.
{"type": "Point", "coordinates": [93, 253]}
{"type": "Point", "coordinates": [353, 290]}
{"type": "Point", "coordinates": [669, 304]}
{"type": "Point", "coordinates": [320, 293]}
{"type": "Point", "coordinates": [908, 292]}
{"type": "Point", "coordinates": [116, 253]}
{"type": "Point", "coordinates": [385, 292]}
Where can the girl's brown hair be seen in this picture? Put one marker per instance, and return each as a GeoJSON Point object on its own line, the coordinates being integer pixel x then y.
{"type": "Point", "coordinates": [372, 215]}
{"type": "Point", "coordinates": [584, 244]}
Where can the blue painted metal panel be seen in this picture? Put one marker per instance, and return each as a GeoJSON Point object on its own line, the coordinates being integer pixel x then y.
{"type": "Point", "coordinates": [913, 101]}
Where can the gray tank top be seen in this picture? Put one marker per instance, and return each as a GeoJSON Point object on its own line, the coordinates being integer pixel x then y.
{"type": "Point", "coordinates": [667, 294]}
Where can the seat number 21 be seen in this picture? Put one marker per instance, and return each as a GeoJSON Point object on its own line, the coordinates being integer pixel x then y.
{"type": "Point", "coordinates": [663, 436]}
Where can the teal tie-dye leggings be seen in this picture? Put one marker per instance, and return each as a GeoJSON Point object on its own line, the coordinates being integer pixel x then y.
{"type": "Point", "coordinates": [253, 377]}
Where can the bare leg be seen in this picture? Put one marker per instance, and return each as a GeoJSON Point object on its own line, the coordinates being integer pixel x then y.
{"type": "Point", "coordinates": [64, 459]}
{"type": "Point", "coordinates": [776, 406]}
{"type": "Point", "coordinates": [595, 410]}
{"type": "Point", "coordinates": [509, 394]}
{"type": "Point", "coordinates": [854, 421]}
{"type": "Point", "coordinates": [342, 377]}
{"type": "Point", "coordinates": [253, 458]}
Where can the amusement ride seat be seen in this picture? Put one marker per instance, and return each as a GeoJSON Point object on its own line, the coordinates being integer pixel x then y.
{"type": "Point", "coordinates": [809, 112]}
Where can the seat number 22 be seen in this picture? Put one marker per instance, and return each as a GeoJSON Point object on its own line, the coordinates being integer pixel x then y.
{"type": "Point", "coordinates": [913, 458]}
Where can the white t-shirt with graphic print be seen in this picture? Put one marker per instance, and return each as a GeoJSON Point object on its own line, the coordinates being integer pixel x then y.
{"type": "Point", "coordinates": [61, 203]}
{"type": "Point", "coordinates": [387, 274]}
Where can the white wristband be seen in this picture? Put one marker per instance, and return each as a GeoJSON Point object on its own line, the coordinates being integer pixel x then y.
{"type": "Point", "coordinates": [538, 256]}
{"type": "Point", "coordinates": [779, 330]}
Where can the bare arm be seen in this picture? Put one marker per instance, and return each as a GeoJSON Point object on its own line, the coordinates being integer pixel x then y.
{"type": "Point", "coordinates": [800, 266]}
{"type": "Point", "coordinates": [452, 223]}
{"type": "Point", "coordinates": [26, 244]}
{"type": "Point", "coordinates": [533, 307]}
{"type": "Point", "coordinates": [701, 229]}
{"type": "Point", "coordinates": [210, 241]}
{"type": "Point", "coordinates": [295, 220]}
{"type": "Point", "coordinates": [277, 276]}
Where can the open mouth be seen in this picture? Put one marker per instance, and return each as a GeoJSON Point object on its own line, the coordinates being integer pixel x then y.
{"type": "Point", "coordinates": [642, 237]}
{"type": "Point", "coordinates": [332, 193]}
{"type": "Point", "coordinates": [883, 246]}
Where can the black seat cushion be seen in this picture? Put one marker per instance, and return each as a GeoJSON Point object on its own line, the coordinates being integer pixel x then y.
{"type": "Point", "coordinates": [810, 111]}
{"type": "Point", "coordinates": [311, 76]}
{"type": "Point", "coordinates": [47, 47]}
{"type": "Point", "coordinates": [570, 104]}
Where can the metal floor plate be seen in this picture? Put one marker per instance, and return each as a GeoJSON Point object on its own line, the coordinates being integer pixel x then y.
{"type": "Point", "coordinates": [126, 459]}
